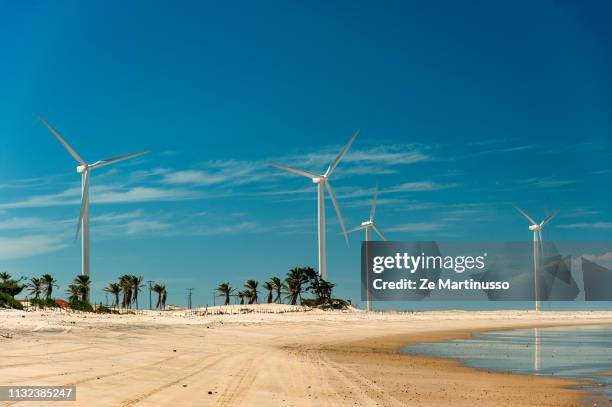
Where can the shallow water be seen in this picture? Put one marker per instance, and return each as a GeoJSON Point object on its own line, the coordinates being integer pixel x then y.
{"type": "Point", "coordinates": [574, 352]}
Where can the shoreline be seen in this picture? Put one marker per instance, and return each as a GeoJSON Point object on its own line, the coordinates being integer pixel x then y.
{"type": "Point", "coordinates": [294, 359]}
{"type": "Point", "coordinates": [590, 398]}
{"type": "Point", "coordinates": [390, 347]}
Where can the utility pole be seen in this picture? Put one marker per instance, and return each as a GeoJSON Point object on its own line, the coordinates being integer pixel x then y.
{"type": "Point", "coordinates": [189, 297]}
{"type": "Point", "coordinates": [150, 301]}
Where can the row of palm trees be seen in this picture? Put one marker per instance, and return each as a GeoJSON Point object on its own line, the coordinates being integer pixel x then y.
{"type": "Point", "coordinates": [298, 280]}
{"type": "Point", "coordinates": [42, 286]}
{"type": "Point", "coordinates": [128, 286]}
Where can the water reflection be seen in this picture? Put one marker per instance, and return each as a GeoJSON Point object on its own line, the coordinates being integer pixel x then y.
{"type": "Point", "coordinates": [575, 352]}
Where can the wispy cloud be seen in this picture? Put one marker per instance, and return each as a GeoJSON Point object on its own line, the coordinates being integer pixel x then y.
{"type": "Point", "coordinates": [377, 160]}
{"type": "Point", "coordinates": [228, 172]}
{"type": "Point", "coordinates": [548, 182]}
{"type": "Point", "coordinates": [579, 213]}
{"type": "Point", "coordinates": [585, 225]}
{"type": "Point", "coordinates": [416, 227]}
{"type": "Point", "coordinates": [28, 246]}
{"type": "Point", "coordinates": [104, 194]}
{"type": "Point", "coordinates": [502, 150]}
{"type": "Point", "coordinates": [419, 186]}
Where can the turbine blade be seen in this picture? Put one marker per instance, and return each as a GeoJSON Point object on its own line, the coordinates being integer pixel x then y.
{"type": "Point", "coordinates": [373, 210]}
{"type": "Point", "coordinates": [337, 208]}
{"type": "Point", "coordinates": [109, 161]}
{"type": "Point", "coordinates": [548, 219]}
{"type": "Point", "coordinates": [293, 170]}
{"type": "Point", "coordinates": [355, 229]}
{"type": "Point", "coordinates": [61, 140]}
{"type": "Point", "coordinates": [529, 218]}
{"type": "Point", "coordinates": [378, 232]}
{"type": "Point", "coordinates": [84, 202]}
{"type": "Point", "coordinates": [341, 155]}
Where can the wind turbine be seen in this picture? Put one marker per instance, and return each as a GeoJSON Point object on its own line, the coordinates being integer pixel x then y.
{"type": "Point", "coordinates": [368, 225]}
{"type": "Point", "coordinates": [322, 182]}
{"type": "Point", "coordinates": [537, 241]}
{"type": "Point", "coordinates": [84, 169]}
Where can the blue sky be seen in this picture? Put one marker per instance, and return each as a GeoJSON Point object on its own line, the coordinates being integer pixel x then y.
{"type": "Point", "coordinates": [463, 110]}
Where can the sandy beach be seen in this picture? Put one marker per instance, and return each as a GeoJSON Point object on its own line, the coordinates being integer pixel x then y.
{"type": "Point", "coordinates": [312, 358]}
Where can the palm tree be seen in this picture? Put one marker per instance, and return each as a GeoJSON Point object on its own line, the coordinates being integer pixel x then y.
{"type": "Point", "coordinates": [278, 286]}
{"type": "Point", "coordinates": [48, 283]}
{"type": "Point", "coordinates": [114, 289]}
{"type": "Point", "coordinates": [35, 287]}
{"type": "Point", "coordinates": [159, 289]}
{"type": "Point", "coordinates": [269, 286]}
{"type": "Point", "coordinates": [164, 296]}
{"type": "Point", "coordinates": [82, 282]}
{"type": "Point", "coordinates": [326, 290]}
{"type": "Point", "coordinates": [294, 281]}
{"type": "Point", "coordinates": [251, 286]}
{"type": "Point", "coordinates": [125, 282]}
{"type": "Point", "coordinates": [225, 289]}
{"type": "Point", "coordinates": [9, 285]}
{"type": "Point", "coordinates": [136, 286]}
{"type": "Point", "coordinates": [74, 290]}
{"type": "Point", "coordinates": [241, 295]}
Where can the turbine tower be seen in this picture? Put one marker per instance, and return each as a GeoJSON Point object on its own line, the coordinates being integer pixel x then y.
{"type": "Point", "coordinates": [84, 169]}
{"type": "Point", "coordinates": [536, 228]}
{"type": "Point", "coordinates": [368, 225]}
{"type": "Point", "coordinates": [322, 182]}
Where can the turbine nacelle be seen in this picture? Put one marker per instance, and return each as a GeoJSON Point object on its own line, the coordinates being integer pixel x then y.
{"type": "Point", "coordinates": [369, 224]}
{"type": "Point", "coordinates": [81, 169]}
{"type": "Point", "coordinates": [319, 180]}
{"type": "Point", "coordinates": [535, 227]}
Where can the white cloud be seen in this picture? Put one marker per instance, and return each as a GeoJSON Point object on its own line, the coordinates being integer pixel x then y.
{"type": "Point", "coordinates": [227, 172]}
{"type": "Point", "coordinates": [592, 225]}
{"type": "Point", "coordinates": [418, 186]}
{"type": "Point", "coordinates": [23, 223]}
{"type": "Point", "coordinates": [142, 194]}
{"type": "Point", "coordinates": [141, 226]}
{"type": "Point", "coordinates": [416, 227]}
{"type": "Point", "coordinates": [104, 194]}
{"type": "Point", "coordinates": [28, 246]}
{"type": "Point", "coordinates": [496, 151]}
{"type": "Point", "coordinates": [380, 157]}
{"type": "Point", "coordinates": [548, 182]}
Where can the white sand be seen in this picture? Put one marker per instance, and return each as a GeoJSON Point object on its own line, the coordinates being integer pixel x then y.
{"type": "Point", "coordinates": [269, 358]}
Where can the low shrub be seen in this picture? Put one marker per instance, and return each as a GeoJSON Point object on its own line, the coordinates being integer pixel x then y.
{"type": "Point", "coordinates": [44, 303]}
{"type": "Point", "coordinates": [334, 303]}
{"type": "Point", "coordinates": [7, 301]}
{"type": "Point", "coordinates": [102, 309]}
{"type": "Point", "coordinates": [78, 305]}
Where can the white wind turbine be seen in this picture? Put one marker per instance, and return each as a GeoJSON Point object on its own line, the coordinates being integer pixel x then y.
{"type": "Point", "coordinates": [83, 168]}
{"type": "Point", "coordinates": [537, 241]}
{"type": "Point", "coordinates": [368, 225]}
{"type": "Point", "coordinates": [322, 182]}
